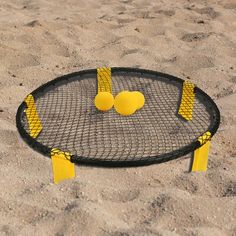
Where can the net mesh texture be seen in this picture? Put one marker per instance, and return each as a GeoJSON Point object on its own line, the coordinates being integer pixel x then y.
{"type": "Point", "coordinates": [72, 123]}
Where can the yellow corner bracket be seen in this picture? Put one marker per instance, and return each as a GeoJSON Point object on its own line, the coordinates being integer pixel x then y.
{"type": "Point", "coordinates": [104, 80]}
{"type": "Point", "coordinates": [62, 166]}
{"type": "Point", "coordinates": [187, 101]}
{"type": "Point", "coordinates": [34, 123]}
{"type": "Point", "coordinates": [200, 158]}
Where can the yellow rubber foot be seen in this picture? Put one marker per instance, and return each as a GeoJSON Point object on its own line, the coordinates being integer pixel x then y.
{"type": "Point", "coordinates": [34, 123]}
{"type": "Point", "coordinates": [104, 101]}
{"type": "Point", "coordinates": [187, 101]}
{"type": "Point", "coordinates": [62, 167]}
{"type": "Point", "coordinates": [201, 154]}
{"type": "Point", "coordinates": [104, 79]}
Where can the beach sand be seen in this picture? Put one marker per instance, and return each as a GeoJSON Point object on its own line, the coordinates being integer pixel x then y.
{"type": "Point", "coordinates": [40, 40]}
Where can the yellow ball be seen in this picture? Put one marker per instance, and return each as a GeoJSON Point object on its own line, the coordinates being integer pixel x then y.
{"type": "Point", "coordinates": [140, 99]}
{"type": "Point", "coordinates": [125, 103]}
{"type": "Point", "coordinates": [104, 101]}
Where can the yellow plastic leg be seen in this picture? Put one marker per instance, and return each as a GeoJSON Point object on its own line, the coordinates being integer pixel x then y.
{"type": "Point", "coordinates": [34, 123]}
{"type": "Point", "coordinates": [63, 168]}
{"type": "Point", "coordinates": [201, 154]}
{"type": "Point", "coordinates": [104, 80]}
{"type": "Point", "coordinates": [187, 101]}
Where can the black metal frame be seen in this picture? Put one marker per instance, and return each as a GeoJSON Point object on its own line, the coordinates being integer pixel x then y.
{"type": "Point", "coordinates": [82, 160]}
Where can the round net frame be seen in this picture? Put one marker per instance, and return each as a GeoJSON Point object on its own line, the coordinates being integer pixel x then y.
{"type": "Point", "coordinates": [154, 134]}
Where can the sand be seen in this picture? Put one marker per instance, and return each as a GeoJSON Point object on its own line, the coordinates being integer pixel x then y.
{"type": "Point", "coordinates": [40, 40]}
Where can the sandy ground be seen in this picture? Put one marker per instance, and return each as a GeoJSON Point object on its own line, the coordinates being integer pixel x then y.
{"type": "Point", "coordinates": [42, 39]}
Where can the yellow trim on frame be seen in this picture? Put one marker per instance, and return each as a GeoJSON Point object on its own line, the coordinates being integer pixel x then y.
{"type": "Point", "coordinates": [187, 101]}
{"type": "Point", "coordinates": [104, 79]}
{"type": "Point", "coordinates": [34, 123]}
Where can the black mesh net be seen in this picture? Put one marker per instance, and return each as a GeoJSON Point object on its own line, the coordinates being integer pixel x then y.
{"type": "Point", "coordinates": [72, 123]}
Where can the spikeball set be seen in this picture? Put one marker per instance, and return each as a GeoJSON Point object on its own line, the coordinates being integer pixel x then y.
{"type": "Point", "coordinates": [118, 117]}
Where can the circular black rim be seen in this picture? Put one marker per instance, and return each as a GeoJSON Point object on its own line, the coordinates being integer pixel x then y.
{"type": "Point", "coordinates": [83, 160]}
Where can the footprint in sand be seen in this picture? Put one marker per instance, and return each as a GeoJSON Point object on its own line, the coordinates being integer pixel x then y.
{"type": "Point", "coordinates": [60, 50]}
{"type": "Point", "coordinates": [33, 23]}
{"type": "Point", "coordinates": [19, 59]}
{"type": "Point", "coordinates": [6, 230]}
{"type": "Point", "coordinates": [10, 137]}
{"type": "Point", "coordinates": [6, 37]}
{"type": "Point", "coordinates": [125, 195]}
{"type": "Point", "coordinates": [230, 190]}
{"type": "Point", "coordinates": [233, 79]}
{"type": "Point", "coordinates": [29, 5]}
{"type": "Point", "coordinates": [52, 44]}
{"type": "Point", "coordinates": [172, 208]}
{"type": "Point", "coordinates": [194, 37]}
{"type": "Point", "coordinates": [70, 206]}
{"type": "Point", "coordinates": [209, 11]}
{"type": "Point", "coordinates": [195, 62]}
{"type": "Point", "coordinates": [130, 51]}
{"type": "Point", "coordinates": [144, 14]}
{"type": "Point", "coordinates": [126, 1]}
{"type": "Point", "coordinates": [25, 38]}
{"type": "Point", "coordinates": [225, 92]}
{"type": "Point", "coordinates": [219, 188]}
{"type": "Point", "coordinates": [214, 164]}
{"type": "Point", "coordinates": [186, 183]}
{"type": "Point", "coordinates": [158, 207]}
{"type": "Point", "coordinates": [166, 12]}
{"type": "Point", "coordinates": [137, 232]}
{"type": "Point", "coordinates": [29, 214]}
{"type": "Point", "coordinates": [230, 6]}
{"type": "Point", "coordinates": [124, 20]}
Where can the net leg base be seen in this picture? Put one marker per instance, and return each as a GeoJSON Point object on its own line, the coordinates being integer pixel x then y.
{"type": "Point", "coordinates": [200, 158]}
{"type": "Point", "coordinates": [62, 167]}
